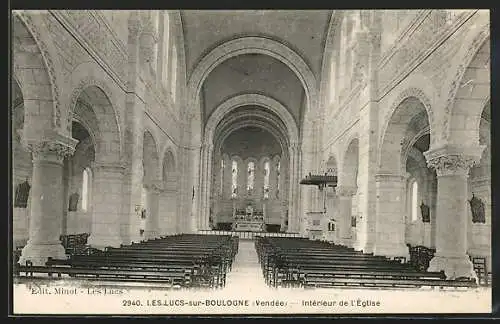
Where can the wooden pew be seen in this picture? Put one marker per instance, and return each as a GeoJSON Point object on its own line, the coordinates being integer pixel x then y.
{"type": "Point", "coordinates": [301, 263]}
{"type": "Point", "coordinates": [182, 260]}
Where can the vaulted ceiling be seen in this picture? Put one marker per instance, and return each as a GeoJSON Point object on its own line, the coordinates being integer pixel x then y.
{"type": "Point", "coordinates": [303, 31]}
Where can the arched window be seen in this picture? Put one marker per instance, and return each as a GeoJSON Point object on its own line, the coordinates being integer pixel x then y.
{"type": "Point", "coordinates": [332, 78]}
{"type": "Point", "coordinates": [85, 189]}
{"type": "Point", "coordinates": [155, 18]}
{"type": "Point", "coordinates": [164, 51]}
{"type": "Point", "coordinates": [251, 176]}
{"type": "Point", "coordinates": [234, 178]}
{"type": "Point", "coordinates": [278, 176]}
{"type": "Point", "coordinates": [414, 200]}
{"type": "Point", "coordinates": [173, 84]}
{"type": "Point", "coordinates": [221, 176]}
{"type": "Point", "coordinates": [267, 172]}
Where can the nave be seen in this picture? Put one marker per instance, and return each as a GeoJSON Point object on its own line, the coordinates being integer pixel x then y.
{"type": "Point", "coordinates": [197, 261]}
{"type": "Point", "coordinates": [145, 141]}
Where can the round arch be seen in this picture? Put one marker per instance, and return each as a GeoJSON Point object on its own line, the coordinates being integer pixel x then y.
{"type": "Point", "coordinates": [388, 143]}
{"type": "Point", "coordinates": [37, 29]}
{"type": "Point", "coordinates": [250, 45]}
{"type": "Point", "coordinates": [85, 76]}
{"type": "Point", "coordinates": [348, 176]}
{"type": "Point", "coordinates": [252, 99]}
{"type": "Point", "coordinates": [476, 41]}
{"type": "Point", "coordinates": [422, 96]}
{"type": "Point", "coordinates": [99, 119]}
{"type": "Point", "coordinates": [150, 157]}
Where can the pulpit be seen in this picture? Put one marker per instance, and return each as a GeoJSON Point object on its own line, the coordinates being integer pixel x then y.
{"type": "Point", "coordinates": [248, 220]}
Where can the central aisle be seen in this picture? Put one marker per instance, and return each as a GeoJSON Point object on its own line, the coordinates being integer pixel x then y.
{"type": "Point", "coordinates": [246, 274]}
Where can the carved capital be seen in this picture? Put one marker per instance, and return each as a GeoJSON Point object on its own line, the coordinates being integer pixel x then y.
{"type": "Point", "coordinates": [109, 168]}
{"type": "Point", "coordinates": [49, 146]}
{"type": "Point", "coordinates": [383, 177]}
{"type": "Point", "coordinates": [50, 150]}
{"type": "Point", "coordinates": [156, 187]}
{"type": "Point", "coordinates": [149, 30]}
{"type": "Point", "coordinates": [453, 159]}
{"type": "Point", "coordinates": [451, 164]}
{"type": "Point", "coordinates": [135, 24]}
{"type": "Point", "coordinates": [345, 191]}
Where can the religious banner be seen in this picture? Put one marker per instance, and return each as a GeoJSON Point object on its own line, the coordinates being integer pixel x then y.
{"type": "Point", "coordinates": [22, 194]}
{"type": "Point", "coordinates": [477, 208]}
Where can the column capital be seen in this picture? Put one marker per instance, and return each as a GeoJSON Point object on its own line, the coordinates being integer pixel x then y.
{"type": "Point", "coordinates": [453, 159]}
{"type": "Point", "coordinates": [52, 146]}
{"type": "Point", "coordinates": [135, 24]}
{"type": "Point", "coordinates": [389, 177]}
{"type": "Point", "coordinates": [156, 186]}
{"type": "Point", "coordinates": [207, 145]}
{"type": "Point", "coordinates": [149, 29]}
{"type": "Point", "coordinates": [345, 191]}
{"type": "Point", "coordinates": [109, 167]}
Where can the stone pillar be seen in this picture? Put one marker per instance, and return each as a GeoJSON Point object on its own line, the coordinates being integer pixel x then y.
{"type": "Point", "coordinates": [107, 205]}
{"type": "Point", "coordinates": [452, 164]}
{"type": "Point", "coordinates": [133, 134]}
{"type": "Point", "coordinates": [205, 185]}
{"type": "Point", "coordinates": [291, 192]}
{"type": "Point", "coordinates": [147, 41]}
{"type": "Point", "coordinates": [390, 217]}
{"type": "Point", "coordinates": [344, 208]}
{"type": "Point", "coordinates": [46, 200]}
{"type": "Point", "coordinates": [152, 224]}
{"type": "Point", "coordinates": [208, 188]}
{"type": "Point", "coordinates": [167, 210]}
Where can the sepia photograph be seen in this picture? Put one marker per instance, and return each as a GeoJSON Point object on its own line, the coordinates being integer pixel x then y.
{"type": "Point", "coordinates": [250, 162]}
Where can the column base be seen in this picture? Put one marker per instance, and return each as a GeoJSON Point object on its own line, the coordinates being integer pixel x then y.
{"type": "Point", "coordinates": [103, 242]}
{"type": "Point", "coordinates": [454, 267]}
{"type": "Point", "coordinates": [392, 251]}
{"type": "Point", "coordinates": [38, 253]}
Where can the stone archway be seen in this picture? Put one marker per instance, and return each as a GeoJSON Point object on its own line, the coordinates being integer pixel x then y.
{"type": "Point", "coordinates": [35, 71]}
{"type": "Point", "coordinates": [292, 134]}
{"type": "Point", "coordinates": [149, 225]}
{"type": "Point", "coordinates": [346, 191]}
{"type": "Point", "coordinates": [169, 218]}
{"type": "Point", "coordinates": [453, 157]}
{"type": "Point", "coordinates": [253, 45]}
{"type": "Point", "coordinates": [409, 116]}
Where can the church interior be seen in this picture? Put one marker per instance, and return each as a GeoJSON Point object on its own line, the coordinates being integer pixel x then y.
{"type": "Point", "coordinates": [318, 148]}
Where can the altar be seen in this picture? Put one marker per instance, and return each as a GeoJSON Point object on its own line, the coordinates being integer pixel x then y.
{"type": "Point", "coordinates": [247, 220]}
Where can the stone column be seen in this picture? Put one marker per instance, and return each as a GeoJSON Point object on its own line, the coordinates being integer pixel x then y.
{"type": "Point", "coordinates": [167, 210]}
{"type": "Point", "coordinates": [107, 205]}
{"type": "Point", "coordinates": [208, 188]}
{"type": "Point", "coordinates": [204, 203]}
{"type": "Point", "coordinates": [344, 208]}
{"type": "Point", "coordinates": [291, 192]}
{"type": "Point", "coordinates": [390, 217]}
{"type": "Point", "coordinates": [153, 223]}
{"type": "Point", "coordinates": [452, 164]}
{"type": "Point", "coordinates": [148, 40]}
{"type": "Point", "coordinates": [133, 134]}
{"type": "Point", "coordinates": [46, 200]}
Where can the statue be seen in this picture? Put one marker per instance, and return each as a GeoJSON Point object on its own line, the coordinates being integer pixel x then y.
{"type": "Point", "coordinates": [477, 208]}
{"type": "Point", "coordinates": [73, 202]}
{"type": "Point", "coordinates": [424, 210]}
{"type": "Point", "coordinates": [143, 213]}
{"type": "Point", "coordinates": [22, 194]}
